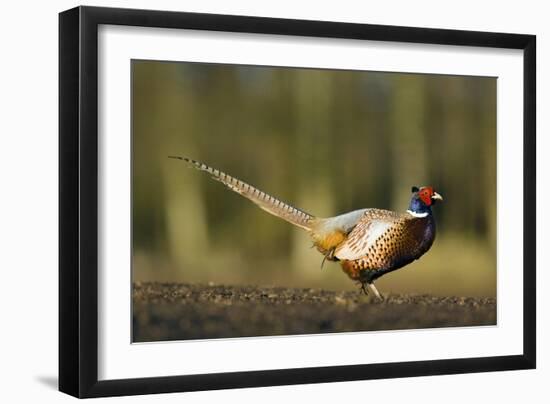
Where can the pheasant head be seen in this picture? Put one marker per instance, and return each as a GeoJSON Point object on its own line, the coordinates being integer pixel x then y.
{"type": "Point", "coordinates": [422, 200]}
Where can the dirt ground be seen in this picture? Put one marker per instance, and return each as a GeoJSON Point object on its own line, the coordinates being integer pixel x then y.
{"type": "Point", "coordinates": [170, 311]}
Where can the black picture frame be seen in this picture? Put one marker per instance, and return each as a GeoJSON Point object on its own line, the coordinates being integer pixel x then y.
{"type": "Point", "coordinates": [78, 201]}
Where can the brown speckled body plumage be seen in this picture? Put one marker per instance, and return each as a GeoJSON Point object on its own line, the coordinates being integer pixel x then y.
{"type": "Point", "coordinates": [383, 241]}
{"type": "Point", "coordinates": [368, 242]}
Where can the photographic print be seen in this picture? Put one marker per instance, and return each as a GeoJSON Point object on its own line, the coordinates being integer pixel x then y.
{"type": "Point", "coordinates": [272, 201]}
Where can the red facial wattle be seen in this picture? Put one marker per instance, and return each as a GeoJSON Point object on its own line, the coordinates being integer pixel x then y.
{"type": "Point", "coordinates": [425, 194]}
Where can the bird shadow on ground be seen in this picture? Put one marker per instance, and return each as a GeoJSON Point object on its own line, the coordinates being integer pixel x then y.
{"type": "Point", "coordinates": [48, 381]}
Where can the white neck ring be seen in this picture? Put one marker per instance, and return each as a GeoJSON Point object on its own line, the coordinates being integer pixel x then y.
{"type": "Point", "coordinates": [415, 214]}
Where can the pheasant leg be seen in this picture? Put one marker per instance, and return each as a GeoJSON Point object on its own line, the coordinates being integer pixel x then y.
{"type": "Point", "coordinates": [366, 277]}
{"type": "Point", "coordinates": [329, 255]}
{"type": "Point", "coordinates": [376, 292]}
{"type": "Point", "coordinates": [364, 289]}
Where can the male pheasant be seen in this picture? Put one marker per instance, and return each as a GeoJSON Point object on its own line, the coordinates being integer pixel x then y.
{"type": "Point", "coordinates": [368, 242]}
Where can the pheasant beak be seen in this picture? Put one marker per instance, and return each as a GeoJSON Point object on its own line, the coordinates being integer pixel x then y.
{"type": "Point", "coordinates": [437, 197]}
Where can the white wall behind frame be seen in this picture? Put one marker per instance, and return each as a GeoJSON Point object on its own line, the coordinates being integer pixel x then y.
{"type": "Point", "coordinates": [28, 163]}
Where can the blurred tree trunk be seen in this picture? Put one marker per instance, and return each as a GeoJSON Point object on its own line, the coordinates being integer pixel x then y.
{"type": "Point", "coordinates": [408, 161]}
{"type": "Point", "coordinates": [168, 191]}
{"type": "Point", "coordinates": [488, 125]}
{"type": "Point", "coordinates": [313, 95]}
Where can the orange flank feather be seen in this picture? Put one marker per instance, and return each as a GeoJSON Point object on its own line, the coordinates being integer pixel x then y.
{"type": "Point", "coordinates": [327, 242]}
{"type": "Point", "coordinates": [351, 270]}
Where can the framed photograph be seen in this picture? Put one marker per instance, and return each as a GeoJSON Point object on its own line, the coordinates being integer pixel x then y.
{"type": "Point", "coordinates": [251, 201]}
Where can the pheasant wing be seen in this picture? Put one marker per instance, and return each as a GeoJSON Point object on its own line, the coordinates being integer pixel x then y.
{"type": "Point", "coordinates": [370, 228]}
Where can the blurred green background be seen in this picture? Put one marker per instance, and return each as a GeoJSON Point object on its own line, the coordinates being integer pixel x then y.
{"type": "Point", "coordinates": [326, 141]}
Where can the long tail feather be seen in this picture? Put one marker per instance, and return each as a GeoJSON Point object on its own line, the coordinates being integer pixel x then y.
{"type": "Point", "coordinates": [266, 202]}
